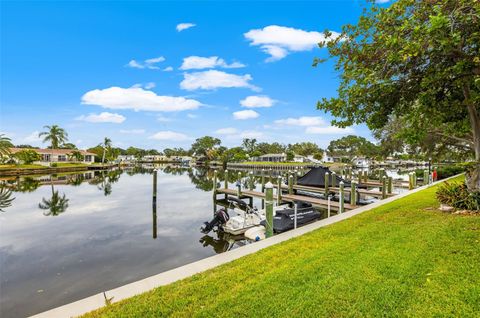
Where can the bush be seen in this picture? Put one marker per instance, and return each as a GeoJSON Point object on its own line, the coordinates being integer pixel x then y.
{"type": "Point", "coordinates": [28, 156]}
{"type": "Point", "coordinates": [53, 165]}
{"type": "Point", "coordinates": [457, 195]}
{"type": "Point", "coordinates": [448, 171]}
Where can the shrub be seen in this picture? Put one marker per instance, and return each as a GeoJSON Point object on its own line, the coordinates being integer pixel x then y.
{"type": "Point", "coordinates": [53, 165]}
{"type": "Point", "coordinates": [457, 195]}
{"type": "Point", "coordinates": [28, 156]}
{"type": "Point", "coordinates": [448, 171]}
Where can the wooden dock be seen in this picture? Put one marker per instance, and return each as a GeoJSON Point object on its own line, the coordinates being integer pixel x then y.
{"type": "Point", "coordinates": [371, 193]}
{"type": "Point", "coordinates": [316, 202]}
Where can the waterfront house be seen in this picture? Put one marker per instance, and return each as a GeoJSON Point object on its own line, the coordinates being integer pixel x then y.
{"type": "Point", "coordinates": [126, 158]}
{"type": "Point", "coordinates": [279, 157]}
{"type": "Point", "coordinates": [58, 155]}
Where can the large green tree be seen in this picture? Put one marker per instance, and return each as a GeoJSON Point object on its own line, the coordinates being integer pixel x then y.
{"type": "Point", "coordinates": [206, 146]}
{"type": "Point", "coordinates": [417, 60]}
{"type": "Point", "coordinates": [351, 146]}
{"type": "Point", "coordinates": [305, 148]}
{"type": "Point", "coordinates": [55, 135]}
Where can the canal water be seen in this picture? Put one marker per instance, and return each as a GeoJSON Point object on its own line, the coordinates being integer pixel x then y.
{"type": "Point", "coordinates": [66, 237]}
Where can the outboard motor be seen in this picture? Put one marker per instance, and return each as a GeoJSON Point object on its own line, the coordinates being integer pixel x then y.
{"type": "Point", "coordinates": [221, 217]}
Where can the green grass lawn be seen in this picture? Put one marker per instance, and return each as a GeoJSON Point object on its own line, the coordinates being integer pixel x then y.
{"type": "Point", "coordinates": [21, 166]}
{"type": "Point", "coordinates": [402, 259]}
{"type": "Point", "coordinates": [70, 164]}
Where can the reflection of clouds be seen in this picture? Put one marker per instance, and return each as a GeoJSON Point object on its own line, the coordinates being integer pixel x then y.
{"type": "Point", "coordinates": [100, 242]}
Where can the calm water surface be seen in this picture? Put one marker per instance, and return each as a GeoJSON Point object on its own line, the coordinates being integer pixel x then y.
{"type": "Point", "coordinates": [70, 238]}
{"type": "Point", "coordinates": [66, 237]}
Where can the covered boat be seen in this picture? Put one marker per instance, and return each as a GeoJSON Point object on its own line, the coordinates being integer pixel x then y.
{"type": "Point", "coordinates": [316, 178]}
{"type": "Point", "coordinates": [283, 220]}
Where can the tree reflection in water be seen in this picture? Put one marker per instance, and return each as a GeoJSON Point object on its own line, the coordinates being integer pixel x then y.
{"type": "Point", "coordinates": [55, 205]}
{"type": "Point", "coordinates": [222, 242]}
{"type": "Point", "coordinates": [6, 198]}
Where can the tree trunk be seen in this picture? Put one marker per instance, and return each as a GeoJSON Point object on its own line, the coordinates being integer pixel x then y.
{"type": "Point", "coordinates": [473, 174]}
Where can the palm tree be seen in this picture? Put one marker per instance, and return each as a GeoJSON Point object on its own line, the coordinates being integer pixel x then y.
{"type": "Point", "coordinates": [5, 145]}
{"type": "Point", "coordinates": [76, 155]}
{"type": "Point", "coordinates": [55, 205]}
{"type": "Point", "coordinates": [55, 135]}
{"type": "Point", "coordinates": [107, 143]}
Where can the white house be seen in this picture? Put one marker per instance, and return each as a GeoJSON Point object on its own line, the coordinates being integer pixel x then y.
{"type": "Point", "coordinates": [126, 158]}
{"type": "Point", "coordinates": [58, 155]}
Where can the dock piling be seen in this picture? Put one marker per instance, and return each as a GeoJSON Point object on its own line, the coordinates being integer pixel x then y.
{"type": "Point", "coordinates": [239, 184]}
{"type": "Point", "coordinates": [279, 190]}
{"type": "Point", "coordinates": [353, 193]}
{"type": "Point", "coordinates": [384, 187]}
{"type": "Point", "coordinates": [290, 184]}
{"type": "Point", "coordinates": [390, 185]}
{"type": "Point", "coordinates": [342, 198]}
{"type": "Point", "coordinates": [154, 205]}
{"type": "Point", "coordinates": [334, 179]}
{"type": "Point", "coordinates": [327, 179]}
{"type": "Point", "coordinates": [269, 209]}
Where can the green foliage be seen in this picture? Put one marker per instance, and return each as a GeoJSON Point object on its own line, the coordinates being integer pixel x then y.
{"type": "Point", "coordinates": [6, 198]}
{"type": "Point", "coordinates": [28, 156]}
{"type": "Point", "coordinates": [457, 195]}
{"type": "Point", "coordinates": [290, 155]}
{"type": "Point", "coordinates": [76, 155]}
{"type": "Point", "coordinates": [305, 149]}
{"type": "Point", "coordinates": [55, 205]}
{"type": "Point", "coordinates": [318, 156]}
{"type": "Point", "coordinates": [5, 145]}
{"type": "Point", "coordinates": [448, 171]}
{"type": "Point", "coordinates": [250, 145]}
{"type": "Point", "coordinates": [264, 148]}
{"type": "Point", "coordinates": [68, 145]}
{"type": "Point", "coordinates": [416, 62]}
{"type": "Point", "coordinates": [351, 146]}
{"type": "Point", "coordinates": [55, 135]}
{"type": "Point", "coordinates": [53, 164]}
{"type": "Point", "coordinates": [206, 146]}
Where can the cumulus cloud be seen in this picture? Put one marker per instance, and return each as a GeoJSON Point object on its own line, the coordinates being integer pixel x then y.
{"type": "Point", "coordinates": [150, 85]}
{"type": "Point", "coordinates": [199, 62]}
{"type": "Point", "coordinates": [279, 41]}
{"type": "Point", "coordinates": [132, 131]}
{"type": "Point", "coordinates": [148, 63]}
{"type": "Point", "coordinates": [329, 130]}
{"type": "Point", "coordinates": [168, 69]}
{"type": "Point", "coordinates": [301, 121]}
{"type": "Point", "coordinates": [192, 116]}
{"type": "Point", "coordinates": [245, 114]}
{"type": "Point", "coordinates": [138, 99]}
{"type": "Point", "coordinates": [214, 79]}
{"type": "Point", "coordinates": [33, 138]}
{"type": "Point", "coordinates": [257, 101]}
{"type": "Point", "coordinates": [184, 26]}
{"type": "Point", "coordinates": [226, 131]}
{"type": "Point", "coordinates": [169, 135]}
{"type": "Point", "coordinates": [104, 117]}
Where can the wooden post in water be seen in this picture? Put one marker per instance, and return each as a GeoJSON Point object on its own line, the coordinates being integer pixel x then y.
{"type": "Point", "coordinates": [263, 187]}
{"type": "Point", "coordinates": [269, 209]}
{"type": "Point", "coordinates": [342, 198]}
{"type": "Point", "coordinates": [390, 185]}
{"type": "Point", "coordinates": [279, 190]}
{"type": "Point", "coordinates": [353, 193]}
{"type": "Point", "coordinates": [327, 179]}
{"type": "Point", "coordinates": [365, 176]}
{"type": "Point", "coordinates": [215, 184]}
{"type": "Point", "coordinates": [290, 184]}
{"type": "Point", "coordinates": [154, 205]}
{"type": "Point", "coordinates": [334, 179]}
{"type": "Point", "coordinates": [251, 184]}
{"type": "Point", "coordinates": [226, 179]}
{"type": "Point", "coordinates": [384, 187]}
{"type": "Point", "coordinates": [239, 184]}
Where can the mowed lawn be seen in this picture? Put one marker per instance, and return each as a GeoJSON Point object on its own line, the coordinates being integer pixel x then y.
{"type": "Point", "coordinates": [403, 259]}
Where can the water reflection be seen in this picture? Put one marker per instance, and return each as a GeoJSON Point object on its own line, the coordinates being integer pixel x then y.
{"type": "Point", "coordinates": [6, 198]}
{"type": "Point", "coordinates": [55, 205]}
{"type": "Point", "coordinates": [221, 241]}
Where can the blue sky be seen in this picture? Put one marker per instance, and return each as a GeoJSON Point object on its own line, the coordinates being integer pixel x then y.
{"type": "Point", "coordinates": [160, 74]}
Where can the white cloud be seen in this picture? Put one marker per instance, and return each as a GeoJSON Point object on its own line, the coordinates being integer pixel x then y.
{"type": "Point", "coordinates": [199, 62]}
{"type": "Point", "coordinates": [163, 119]}
{"type": "Point", "coordinates": [132, 131]}
{"type": "Point", "coordinates": [330, 130]}
{"type": "Point", "coordinates": [382, 1]}
{"type": "Point", "coordinates": [301, 121]}
{"type": "Point", "coordinates": [33, 138]}
{"type": "Point", "coordinates": [226, 131]}
{"type": "Point", "coordinates": [184, 26]}
{"type": "Point", "coordinates": [213, 79]}
{"type": "Point", "coordinates": [169, 135]}
{"type": "Point", "coordinates": [150, 85]}
{"type": "Point", "coordinates": [104, 117]}
{"type": "Point", "coordinates": [168, 69]}
{"type": "Point", "coordinates": [278, 41]}
{"type": "Point", "coordinates": [257, 101]}
{"type": "Point", "coordinates": [137, 99]}
{"type": "Point", "coordinates": [245, 114]}
{"type": "Point", "coordinates": [251, 134]}
{"type": "Point", "coordinates": [148, 63]}
{"type": "Point", "coordinates": [192, 116]}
